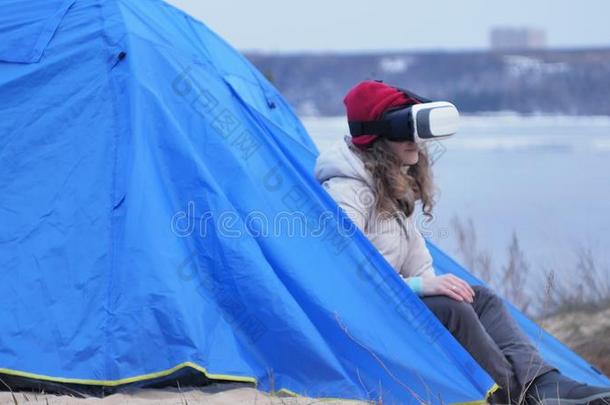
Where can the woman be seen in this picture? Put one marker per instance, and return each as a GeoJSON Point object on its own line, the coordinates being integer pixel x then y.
{"type": "Point", "coordinates": [377, 183]}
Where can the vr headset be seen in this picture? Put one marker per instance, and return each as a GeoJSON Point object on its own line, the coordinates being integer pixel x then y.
{"type": "Point", "coordinates": [416, 123]}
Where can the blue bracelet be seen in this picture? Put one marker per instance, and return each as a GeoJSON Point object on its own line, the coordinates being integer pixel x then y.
{"type": "Point", "coordinates": [416, 284]}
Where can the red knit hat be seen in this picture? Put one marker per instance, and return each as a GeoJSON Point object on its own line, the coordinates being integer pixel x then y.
{"type": "Point", "coordinates": [368, 100]}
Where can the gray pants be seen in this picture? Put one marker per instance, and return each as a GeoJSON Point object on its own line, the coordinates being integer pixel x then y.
{"type": "Point", "coordinates": [488, 332]}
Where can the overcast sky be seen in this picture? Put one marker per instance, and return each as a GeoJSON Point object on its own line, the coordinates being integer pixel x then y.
{"type": "Point", "coordinates": [321, 25]}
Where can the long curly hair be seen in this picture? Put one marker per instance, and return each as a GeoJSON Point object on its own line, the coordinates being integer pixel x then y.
{"type": "Point", "coordinates": [397, 189]}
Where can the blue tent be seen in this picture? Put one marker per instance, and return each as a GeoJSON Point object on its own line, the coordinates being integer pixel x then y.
{"type": "Point", "coordinates": [159, 214]}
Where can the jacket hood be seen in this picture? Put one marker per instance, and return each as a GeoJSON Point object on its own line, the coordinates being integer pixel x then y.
{"type": "Point", "coordinates": [340, 161]}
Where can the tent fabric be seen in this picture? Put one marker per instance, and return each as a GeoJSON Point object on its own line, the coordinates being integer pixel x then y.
{"type": "Point", "coordinates": [28, 28]}
{"type": "Point", "coordinates": [159, 212]}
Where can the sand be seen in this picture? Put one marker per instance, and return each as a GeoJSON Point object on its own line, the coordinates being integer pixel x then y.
{"type": "Point", "coordinates": [215, 394]}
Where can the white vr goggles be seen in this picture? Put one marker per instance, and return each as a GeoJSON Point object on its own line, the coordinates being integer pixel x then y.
{"type": "Point", "coordinates": [416, 123]}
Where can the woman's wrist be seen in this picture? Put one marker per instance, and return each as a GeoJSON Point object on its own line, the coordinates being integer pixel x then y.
{"type": "Point", "coordinates": [416, 284]}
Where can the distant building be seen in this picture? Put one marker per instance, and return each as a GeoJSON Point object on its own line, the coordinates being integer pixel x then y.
{"type": "Point", "coordinates": [517, 38]}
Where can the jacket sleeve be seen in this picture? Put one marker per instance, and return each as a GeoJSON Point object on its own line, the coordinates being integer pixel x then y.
{"type": "Point", "coordinates": [350, 195]}
{"type": "Point", "coordinates": [356, 199]}
{"type": "Point", "coordinates": [417, 267]}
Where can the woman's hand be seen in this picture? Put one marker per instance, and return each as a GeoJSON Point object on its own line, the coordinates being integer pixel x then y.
{"type": "Point", "coordinates": [449, 285]}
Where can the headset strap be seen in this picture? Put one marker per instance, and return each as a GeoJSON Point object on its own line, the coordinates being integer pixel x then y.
{"type": "Point", "coordinates": [357, 128]}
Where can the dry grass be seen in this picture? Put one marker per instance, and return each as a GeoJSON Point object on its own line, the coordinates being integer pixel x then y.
{"type": "Point", "coordinates": [575, 305]}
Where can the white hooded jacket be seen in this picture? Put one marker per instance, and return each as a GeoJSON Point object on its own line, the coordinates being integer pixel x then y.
{"type": "Point", "coordinates": [343, 175]}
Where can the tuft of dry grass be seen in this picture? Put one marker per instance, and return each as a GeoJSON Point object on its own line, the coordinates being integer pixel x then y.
{"type": "Point", "coordinates": [510, 280]}
{"type": "Point", "coordinates": [575, 305]}
{"type": "Point", "coordinates": [585, 286]}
